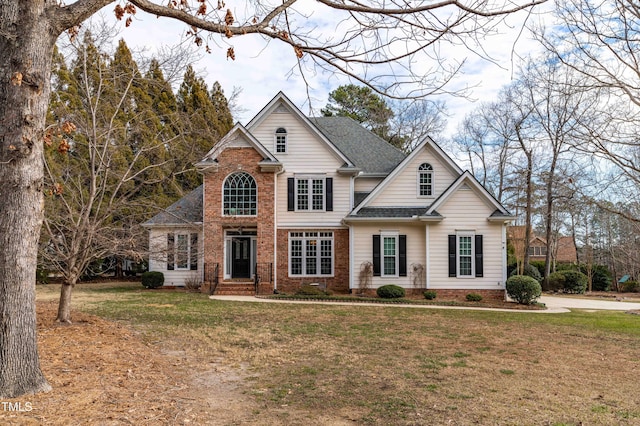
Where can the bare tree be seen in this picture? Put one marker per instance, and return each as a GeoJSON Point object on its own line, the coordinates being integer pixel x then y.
{"type": "Point", "coordinates": [599, 42]}
{"type": "Point", "coordinates": [374, 33]}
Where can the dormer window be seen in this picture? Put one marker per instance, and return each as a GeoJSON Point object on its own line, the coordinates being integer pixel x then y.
{"type": "Point", "coordinates": [281, 140]}
{"type": "Point", "coordinates": [425, 180]}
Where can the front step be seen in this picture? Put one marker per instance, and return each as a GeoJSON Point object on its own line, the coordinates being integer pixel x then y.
{"type": "Point", "coordinates": [235, 288]}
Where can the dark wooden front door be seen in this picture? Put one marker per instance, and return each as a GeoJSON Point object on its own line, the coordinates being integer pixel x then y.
{"type": "Point", "coordinates": [241, 260]}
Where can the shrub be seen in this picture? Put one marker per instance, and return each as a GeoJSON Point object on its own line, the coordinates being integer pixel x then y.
{"type": "Point", "coordinates": [575, 282]}
{"type": "Point", "coordinates": [556, 281]}
{"type": "Point", "coordinates": [530, 271]}
{"type": "Point", "coordinates": [630, 287]}
{"type": "Point", "coordinates": [429, 294]}
{"type": "Point", "coordinates": [193, 282]}
{"type": "Point", "coordinates": [523, 289]}
{"type": "Point", "coordinates": [152, 279]}
{"type": "Point", "coordinates": [310, 290]}
{"type": "Point", "coordinates": [600, 277]}
{"type": "Point", "coordinates": [540, 266]}
{"type": "Point", "coordinates": [390, 291]}
{"type": "Point", "coordinates": [474, 297]}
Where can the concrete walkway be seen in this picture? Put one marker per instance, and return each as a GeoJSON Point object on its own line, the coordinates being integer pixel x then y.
{"type": "Point", "coordinates": [554, 304]}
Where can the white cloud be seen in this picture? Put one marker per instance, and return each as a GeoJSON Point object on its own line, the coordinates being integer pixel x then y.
{"type": "Point", "coordinates": [262, 68]}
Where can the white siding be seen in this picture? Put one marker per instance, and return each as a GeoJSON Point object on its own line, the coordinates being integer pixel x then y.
{"type": "Point", "coordinates": [403, 190]}
{"type": "Point", "coordinates": [306, 154]}
{"type": "Point", "coordinates": [366, 184]}
{"type": "Point", "coordinates": [158, 256]}
{"type": "Point", "coordinates": [363, 251]}
{"type": "Point", "coordinates": [466, 211]}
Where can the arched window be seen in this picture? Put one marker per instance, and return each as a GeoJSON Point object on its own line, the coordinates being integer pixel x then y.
{"type": "Point", "coordinates": [281, 140]}
{"type": "Point", "coordinates": [240, 195]}
{"type": "Point", "coordinates": [425, 180]}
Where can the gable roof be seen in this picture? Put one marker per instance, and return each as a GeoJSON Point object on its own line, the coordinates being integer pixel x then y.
{"type": "Point", "coordinates": [500, 213]}
{"type": "Point", "coordinates": [185, 211]}
{"type": "Point", "coordinates": [372, 154]}
{"type": "Point", "coordinates": [238, 131]}
{"type": "Point", "coordinates": [281, 100]}
{"type": "Point", "coordinates": [403, 164]}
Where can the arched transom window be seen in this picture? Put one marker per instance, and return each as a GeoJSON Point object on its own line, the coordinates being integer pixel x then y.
{"type": "Point", "coordinates": [425, 180]}
{"type": "Point", "coordinates": [240, 195]}
{"type": "Point", "coordinates": [281, 140]}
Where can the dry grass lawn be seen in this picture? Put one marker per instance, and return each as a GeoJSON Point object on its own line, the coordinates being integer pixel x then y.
{"type": "Point", "coordinates": [156, 357]}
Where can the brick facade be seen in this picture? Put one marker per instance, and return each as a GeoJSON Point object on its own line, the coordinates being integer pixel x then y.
{"type": "Point", "coordinates": [338, 283]}
{"type": "Point", "coordinates": [233, 160]}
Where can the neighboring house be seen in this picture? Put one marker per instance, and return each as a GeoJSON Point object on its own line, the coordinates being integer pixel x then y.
{"type": "Point", "coordinates": [297, 200]}
{"type": "Point", "coordinates": [563, 249]}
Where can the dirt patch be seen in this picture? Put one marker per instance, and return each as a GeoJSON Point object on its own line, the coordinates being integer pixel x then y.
{"type": "Point", "coordinates": [104, 373]}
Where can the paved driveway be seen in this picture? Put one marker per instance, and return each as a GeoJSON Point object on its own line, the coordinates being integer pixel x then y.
{"type": "Point", "coordinates": [553, 302]}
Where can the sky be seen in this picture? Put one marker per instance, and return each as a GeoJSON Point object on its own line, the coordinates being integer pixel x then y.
{"type": "Point", "coordinates": [262, 69]}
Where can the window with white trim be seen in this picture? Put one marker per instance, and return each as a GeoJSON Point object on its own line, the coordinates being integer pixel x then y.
{"type": "Point", "coordinates": [425, 180]}
{"type": "Point", "coordinates": [465, 255]}
{"type": "Point", "coordinates": [389, 255]}
{"type": "Point", "coordinates": [240, 195]}
{"type": "Point", "coordinates": [311, 253]}
{"type": "Point", "coordinates": [182, 251]}
{"type": "Point", "coordinates": [281, 140]}
{"type": "Point", "coordinates": [310, 194]}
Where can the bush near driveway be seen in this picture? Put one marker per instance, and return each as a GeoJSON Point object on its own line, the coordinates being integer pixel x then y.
{"type": "Point", "coordinates": [523, 289]}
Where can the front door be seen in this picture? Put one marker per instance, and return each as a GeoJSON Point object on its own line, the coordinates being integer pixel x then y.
{"type": "Point", "coordinates": [241, 257]}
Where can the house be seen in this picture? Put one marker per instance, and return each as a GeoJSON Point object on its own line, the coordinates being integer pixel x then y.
{"type": "Point", "coordinates": [294, 200]}
{"type": "Point", "coordinates": [563, 248]}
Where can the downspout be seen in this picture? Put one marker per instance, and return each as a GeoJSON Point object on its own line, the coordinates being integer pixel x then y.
{"type": "Point", "coordinates": [427, 256]}
{"type": "Point", "coordinates": [351, 236]}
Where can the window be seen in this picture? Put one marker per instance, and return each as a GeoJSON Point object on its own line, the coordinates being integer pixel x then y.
{"type": "Point", "coordinates": [465, 260]}
{"type": "Point", "coordinates": [390, 255]}
{"type": "Point", "coordinates": [240, 195]}
{"type": "Point", "coordinates": [182, 251]}
{"type": "Point", "coordinates": [314, 193]}
{"type": "Point", "coordinates": [538, 251]}
{"type": "Point", "coordinates": [425, 180]}
{"type": "Point", "coordinates": [281, 140]}
{"type": "Point", "coordinates": [465, 255]}
{"type": "Point", "coordinates": [311, 253]}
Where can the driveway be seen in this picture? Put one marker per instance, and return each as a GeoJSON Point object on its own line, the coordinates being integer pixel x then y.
{"type": "Point", "coordinates": [554, 302]}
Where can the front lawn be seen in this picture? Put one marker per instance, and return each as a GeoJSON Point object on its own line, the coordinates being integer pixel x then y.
{"type": "Point", "coordinates": [325, 364]}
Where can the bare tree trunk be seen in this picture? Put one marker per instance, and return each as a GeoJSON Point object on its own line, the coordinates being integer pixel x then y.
{"type": "Point", "coordinates": [64, 306]}
{"type": "Point", "coordinates": [26, 43]}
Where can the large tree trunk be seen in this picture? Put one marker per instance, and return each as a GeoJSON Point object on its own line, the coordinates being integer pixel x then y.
{"type": "Point", "coordinates": [26, 43]}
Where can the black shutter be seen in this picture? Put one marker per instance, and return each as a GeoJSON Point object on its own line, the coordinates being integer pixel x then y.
{"type": "Point", "coordinates": [194, 252]}
{"type": "Point", "coordinates": [452, 256]}
{"type": "Point", "coordinates": [170, 251]}
{"type": "Point", "coordinates": [376, 255]}
{"type": "Point", "coordinates": [479, 266]}
{"type": "Point", "coordinates": [291, 194]}
{"type": "Point", "coordinates": [329, 194]}
{"type": "Point", "coordinates": [402, 246]}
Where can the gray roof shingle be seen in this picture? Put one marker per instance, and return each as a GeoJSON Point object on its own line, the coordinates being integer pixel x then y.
{"type": "Point", "coordinates": [186, 210]}
{"type": "Point", "coordinates": [366, 150]}
{"type": "Point", "coordinates": [388, 212]}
